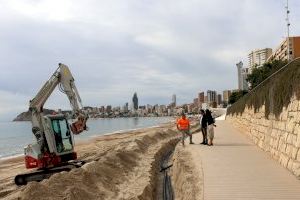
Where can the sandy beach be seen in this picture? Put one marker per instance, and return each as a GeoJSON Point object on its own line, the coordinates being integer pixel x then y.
{"type": "Point", "coordinates": [119, 166]}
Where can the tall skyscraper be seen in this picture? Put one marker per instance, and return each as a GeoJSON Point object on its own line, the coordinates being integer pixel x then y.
{"type": "Point", "coordinates": [239, 71]}
{"type": "Point", "coordinates": [242, 76]}
{"type": "Point", "coordinates": [219, 99]}
{"type": "Point", "coordinates": [108, 108]}
{"type": "Point", "coordinates": [174, 100]}
{"type": "Point", "coordinates": [135, 101]}
{"type": "Point", "coordinates": [201, 97]}
{"type": "Point", "coordinates": [211, 96]}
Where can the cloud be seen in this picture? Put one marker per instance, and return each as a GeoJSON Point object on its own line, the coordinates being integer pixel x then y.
{"type": "Point", "coordinates": [12, 104]}
{"type": "Point", "coordinates": [116, 48]}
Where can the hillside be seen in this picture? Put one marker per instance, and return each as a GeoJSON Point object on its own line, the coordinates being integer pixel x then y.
{"type": "Point", "coordinates": [26, 116]}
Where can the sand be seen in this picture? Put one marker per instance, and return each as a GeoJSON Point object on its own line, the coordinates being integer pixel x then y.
{"type": "Point", "coordinates": [186, 176]}
{"type": "Point", "coordinates": [119, 166]}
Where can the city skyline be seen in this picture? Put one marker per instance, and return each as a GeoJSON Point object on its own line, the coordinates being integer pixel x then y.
{"type": "Point", "coordinates": [116, 48]}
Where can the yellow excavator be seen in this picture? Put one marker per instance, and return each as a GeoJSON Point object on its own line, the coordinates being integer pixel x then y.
{"type": "Point", "coordinates": [53, 150]}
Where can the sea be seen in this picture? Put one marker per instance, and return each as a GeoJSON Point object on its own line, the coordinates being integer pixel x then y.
{"type": "Point", "coordinates": [14, 136]}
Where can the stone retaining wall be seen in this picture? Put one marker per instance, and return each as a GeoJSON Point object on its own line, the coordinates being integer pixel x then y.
{"type": "Point", "coordinates": [279, 136]}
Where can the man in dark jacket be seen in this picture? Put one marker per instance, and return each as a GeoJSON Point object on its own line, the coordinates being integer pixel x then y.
{"type": "Point", "coordinates": [203, 126]}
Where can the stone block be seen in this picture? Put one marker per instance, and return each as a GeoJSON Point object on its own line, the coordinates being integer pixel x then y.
{"type": "Point", "coordinates": [298, 105]}
{"type": "Point", "coordinates": [260, 143]}
{"type": "Point", "coordinates": [274, 133]}
{"type": "Point", "coordinates": [272, 142]}
{"type": "Point", "coordinates": [298, 155]}
{"type": "Point", "coordinates": [296, 129]}
{"type": "Point", "coordinates": [275, 125]}
{"type": "Point", "coordinates": [289, 150]}
{"type": "Point", "coordinates": [274, 153]}
{"type": "Point", "coordinates": [296, 168]}
{"type": "Point", "coordinates": [297, 143]}
{"type": "Point", "coordinates": [285, 136]}
{"type": "Point", "coordinates": [283, 159]}
{"type": "Point", "coordinates": [292, 115]}
{"type": "Point", "coordinates": [272, 117]}
{"type": "Point", "coordinates": [290, 125]}
{"type": "Point", "coordinates": [295, 105]}
{"type": "Point", "coordinates": [282, 147]}
{"type": "Point", "coordinates": [289, 139]}
{"type": "Point", "coordinates": [294, 139]}
{"type": "Point", "coordinates": [276, 143]}
{"type": "Point", "coordinates": [294, 152]}
{"type": "Point", "coordinates": [284, 115]}
{"type": "Point", "coordinates": [282, 126]}
{"type": "Point", "coordinates": [297, 117]}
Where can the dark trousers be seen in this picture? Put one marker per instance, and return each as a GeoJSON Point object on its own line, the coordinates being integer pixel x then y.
{"type": "Point", "coordinates": [204, 134]}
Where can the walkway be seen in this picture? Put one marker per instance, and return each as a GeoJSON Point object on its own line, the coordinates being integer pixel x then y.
{"type": "Point", "coordinates": [237, 169]}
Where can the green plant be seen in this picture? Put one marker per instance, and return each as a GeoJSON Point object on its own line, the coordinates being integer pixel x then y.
{"type": "Point", "coordinates": [259, 74]}
{"type": "Point", "coordinates": [275, 93]}
{"type": "Point", "coordinates": [235, 96]}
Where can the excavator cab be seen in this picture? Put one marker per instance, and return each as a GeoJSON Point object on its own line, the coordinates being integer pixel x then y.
{"type": "Point", "coordinates": [57, 153]}
{"type": "Point", "coordinates": [62, 134]}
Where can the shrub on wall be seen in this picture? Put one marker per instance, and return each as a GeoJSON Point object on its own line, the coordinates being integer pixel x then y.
{"type": "Point", "coordinates": [275, 92]}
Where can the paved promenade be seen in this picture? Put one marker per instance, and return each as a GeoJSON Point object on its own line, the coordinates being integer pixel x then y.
{"type": "Point", "coordinates": [237, 169]}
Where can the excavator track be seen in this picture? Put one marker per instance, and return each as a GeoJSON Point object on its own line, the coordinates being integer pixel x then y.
{"type": "Point", "coordinates": [23, 179]}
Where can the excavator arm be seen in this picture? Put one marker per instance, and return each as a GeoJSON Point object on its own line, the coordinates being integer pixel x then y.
{"type": "Point", "coordinates": [63, 78]}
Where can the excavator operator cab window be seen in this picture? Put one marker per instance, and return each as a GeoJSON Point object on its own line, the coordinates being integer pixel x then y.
{"type": "Point", "coordinates": [62, 135]}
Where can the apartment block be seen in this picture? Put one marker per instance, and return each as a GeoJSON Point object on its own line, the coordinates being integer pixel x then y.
{"type": "Point", "coordinates": [258, 57]}
{"type": "Point", "coordinates": [281, 53]}
{"type": "Point", "coordinates": [226, 96]}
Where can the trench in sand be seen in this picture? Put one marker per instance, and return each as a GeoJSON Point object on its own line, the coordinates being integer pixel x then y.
{"type": "Point", "coordinates": [119, 167]}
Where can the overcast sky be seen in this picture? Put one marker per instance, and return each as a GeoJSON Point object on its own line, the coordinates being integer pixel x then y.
{"type": "Point", "coordinates": [115, 48]}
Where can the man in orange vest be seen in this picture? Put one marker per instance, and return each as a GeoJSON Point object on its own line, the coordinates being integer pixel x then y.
{"type": "Point", "coordinates": [183, 125]}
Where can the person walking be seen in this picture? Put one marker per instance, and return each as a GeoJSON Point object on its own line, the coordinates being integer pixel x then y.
{"type": "Point", "coordinates": [203, 126]}
{"type": "Point", "coordinates": [183, 125]}
{"type": "Point", "coordinates": [211, 125]}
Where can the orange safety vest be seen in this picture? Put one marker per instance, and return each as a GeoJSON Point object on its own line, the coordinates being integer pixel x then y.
{"type": "Point", "coordinates": [183, 124]}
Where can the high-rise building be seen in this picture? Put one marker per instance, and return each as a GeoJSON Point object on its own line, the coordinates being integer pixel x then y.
{"type": "Point", "coordinates": [219, 99]}
{"type": "Point", "coordinates": [201, 97]}
{"type": "Point", "coordinates": [108, 108]}
{"type": "Point", "coordinates": [102, 109]}
{"type": "Point", "coordinates": [258, 57]}
{"type": "Point", "coordinates": [195, 102]}
{"type": "Point", "coordinates": [242, 76]}
{"type": "Point", "coordinates": [226, 96]}
{"type": "Point", "coordinates": [125, 107]}
{"type": "Point", "coordinates": [211, 96]}
{"type": "Point", "coordinates": [205, 99]}
{"type": "Point", "coordinates": [281, 52]}
{"type": "Point", "coordinates": [174, 100]}
{"type": "Point", "coordinates": [135, 101]}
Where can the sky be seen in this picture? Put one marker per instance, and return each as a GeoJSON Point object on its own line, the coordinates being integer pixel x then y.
{"type": "Point", "coordinates": [115, 48]}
